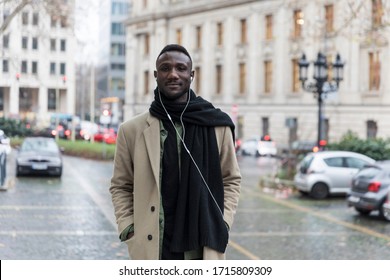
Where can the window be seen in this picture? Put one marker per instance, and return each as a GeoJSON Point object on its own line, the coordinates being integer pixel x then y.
{"type": "Point", "coordinates": [62, 68]}
{"type": "Point", "coordinates": [267, 76]}
{"type": "Point", "coordinates": [198, 75]}
{"type": "Point", "coordinates": [117, 66]}
{"type": "Point", "coordinates": [220, 34]}
{"type": "Point", "coordinates": [63, 45]}
{"type": "Point", "coordinates": [24, 66]}
{"type": "Point", "coordinates": [218, 70]}
{"type": "Point", "coordinates": [1, 99]}
{"type": "Point", "coordinates": [119, 8]}
{"type": "Point", "coordinates": [179, 36]}
{"type": "Point", "coordinates": [146, 44]}
{"type": "Point", "coordinates": [374, 71]}
{"type": "Point", "coordinates": [243, 31]}
{"type": "Point", "coordinates": [24, 42]}
{"type": "Point", "coordinates": [24, 18]}
{"type": "Point", "coordinates": [64, 21]}
{"type": "Point", "coordinates": [53, 21]}
{"type": "Point", "coordinates": [51, 99]}
{"type": "Point", "coordinates": [34, 67]}
{"type": "Point", "coordinates": [5, 66]}
{"type": "Point", "coordinates": [117, 28]}
{"type": "Point", "coordinates": [52, 44]}
{"type": "Point", "coordinates": [35, 19]}
{"type": "Point", "coordinates": [377, 13]}
{"type": "Point", "coordinates": [295, 75]}
{"type": "Point", "coordinates": [199, 37]}
{"type": "Point", "coordinates": [6, 41]}
{"type": "Point", "coordinates": [265, 125]}
{"type": "Point", "coordinates": [117, 84]}
{"type": "Point", "coordinates": [298, 22]}
{"type": "Point", "coordinates": [118, 49]}
{"type": "Point", "coordinates": [372, 129]}
{"type": "Point", "coordinates": [6, 14]}
{"type": "Point", "coordinates": [146, 82]}
{"type": "Point", "coordinates": [268, 27]}
{"type": "Point", "coordinates": [52, 68]}
{"type": "Point", "coordinates": [242, 69]}
{"type": "Point", "coordinates": [329, 18]}
{"type": "Point", "coordinates": [334, 162]}
{"type": "Point", "coordinates": [352, 162]}
{"type": "Point", "coordinates": [35, 43]}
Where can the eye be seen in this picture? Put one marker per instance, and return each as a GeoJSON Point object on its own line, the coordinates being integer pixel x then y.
{"type": "Point", "coordinates": [182, 68]}
{"type": "Point", "coordinates": [164, 68]}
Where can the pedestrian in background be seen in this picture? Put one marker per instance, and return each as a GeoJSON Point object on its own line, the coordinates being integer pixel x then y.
{"type": "Point", "coordinates": [176, 180]}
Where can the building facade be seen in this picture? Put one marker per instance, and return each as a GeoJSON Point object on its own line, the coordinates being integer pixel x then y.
{"type": "Point", "coordinates": [37, 75]}
{"type": "Point", "coordinates": [245, 55]}
{"type": "Point", "coordinates": [112, 56]}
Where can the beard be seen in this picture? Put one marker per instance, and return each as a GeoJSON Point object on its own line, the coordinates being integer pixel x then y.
{"type": "Point", "coordinates": [175, 96]}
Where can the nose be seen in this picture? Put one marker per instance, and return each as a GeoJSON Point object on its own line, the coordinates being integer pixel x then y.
{"type": "Point", "coordinates": [173, 75]}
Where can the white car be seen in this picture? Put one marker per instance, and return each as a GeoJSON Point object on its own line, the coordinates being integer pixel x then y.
{"type": "Point", "coordinates": [258, 147]}
{"type": "Point", "coordinates": [328, 172]}
{"type": "Point", "coordinates": [5, 143]}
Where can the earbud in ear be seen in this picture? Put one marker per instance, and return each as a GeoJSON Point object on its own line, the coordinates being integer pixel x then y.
{"type": "Point", "coordinates": [192, 78]}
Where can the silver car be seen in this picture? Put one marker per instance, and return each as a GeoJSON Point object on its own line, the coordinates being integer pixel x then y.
{"type": "Point", "coordinates": [386, 207]}
{"type": "Point", "coordinates": [369, 189]}
{"type": "Point", "coordinates": [328, 172]}
{"type": "Point", "coordinates": [39, 155]}
{"type": "Point", "coordinates": [258, 147]}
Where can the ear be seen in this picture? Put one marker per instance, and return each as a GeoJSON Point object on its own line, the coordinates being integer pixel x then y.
{"type": "Point", "coordinates": [155, 74]}
{"type": "Point", "coordinates": [192, 74]}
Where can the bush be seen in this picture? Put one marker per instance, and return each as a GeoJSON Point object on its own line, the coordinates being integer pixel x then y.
{"type": "Point", "coordinates": [378, 149]}
{"type": "Point", "coordinates": [80, 148]}
{"type": "Point", "coordinates": [14, 127]}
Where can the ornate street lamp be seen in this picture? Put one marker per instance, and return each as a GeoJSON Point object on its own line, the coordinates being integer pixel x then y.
{"type": "Point", "coordinates": [321, 85]}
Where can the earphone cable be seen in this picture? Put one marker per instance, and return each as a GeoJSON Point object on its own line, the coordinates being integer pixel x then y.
{"type": "Point", "coordinates": [187, 150]}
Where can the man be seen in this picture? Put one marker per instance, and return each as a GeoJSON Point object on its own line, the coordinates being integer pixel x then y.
{"type": "Point", "coordinates": [176, 181]}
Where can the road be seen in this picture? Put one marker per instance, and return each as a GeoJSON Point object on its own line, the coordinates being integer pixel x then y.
{"type": "Point", "coordinates": [72, 218]}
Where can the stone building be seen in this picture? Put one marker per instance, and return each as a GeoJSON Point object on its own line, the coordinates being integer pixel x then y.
{"type": "Point", "coordinates": [37, 73]}
{"type": "Point", "coordinates": [245, 55]}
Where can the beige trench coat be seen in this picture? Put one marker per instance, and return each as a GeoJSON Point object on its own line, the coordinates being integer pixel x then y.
{"type": "Point", "coordinates": [135, 184]}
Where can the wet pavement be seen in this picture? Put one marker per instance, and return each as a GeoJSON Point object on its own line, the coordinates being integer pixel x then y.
{"type": "Point", "coordinates": [72, 218]}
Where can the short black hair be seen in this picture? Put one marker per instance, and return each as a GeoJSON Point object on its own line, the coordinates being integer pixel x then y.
{"type": "Point", "coordinates": [176, 48]}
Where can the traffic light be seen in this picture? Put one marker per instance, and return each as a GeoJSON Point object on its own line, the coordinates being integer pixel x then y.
{"type": "Point", "coordinates": [266, 138]}
{"type": "Point", "coordinates": [106, 112]}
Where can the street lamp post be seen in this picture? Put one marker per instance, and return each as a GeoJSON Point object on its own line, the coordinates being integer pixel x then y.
{"type": "Point", "coordinates": [321, 85]}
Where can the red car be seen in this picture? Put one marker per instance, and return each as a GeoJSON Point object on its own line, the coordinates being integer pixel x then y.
{"type": "Point", "coordinates": [107, 135]}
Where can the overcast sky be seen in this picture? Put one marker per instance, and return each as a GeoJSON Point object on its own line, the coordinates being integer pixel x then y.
{"type": "Point", "coordinates": [87, 30]}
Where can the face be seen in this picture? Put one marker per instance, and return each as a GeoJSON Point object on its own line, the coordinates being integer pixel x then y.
{"type": "Point", "coordinates": [174, 72]}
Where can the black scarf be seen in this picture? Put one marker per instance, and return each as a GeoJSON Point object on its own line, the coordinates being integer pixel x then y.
{"type": "Point", "coordinates": [194, 220]}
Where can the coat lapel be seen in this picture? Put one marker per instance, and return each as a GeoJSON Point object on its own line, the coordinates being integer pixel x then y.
{"type": "Point", "coordinates": [151, 134]}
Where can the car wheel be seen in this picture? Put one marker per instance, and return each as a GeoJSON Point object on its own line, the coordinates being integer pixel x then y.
{"type": "Point", "coordinates": [363, 212]}
{"type": "Point", "coordinates": [384, 214]}
{"type": "Point", "coordinates": [319, 191]}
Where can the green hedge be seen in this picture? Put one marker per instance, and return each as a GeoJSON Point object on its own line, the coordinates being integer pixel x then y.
{"type": "Point", "coordinates": [13, 127]}
{"type": "Point", "coordinates": [378, 148]}
{"type": "Point", "coordinates": [80, 148]}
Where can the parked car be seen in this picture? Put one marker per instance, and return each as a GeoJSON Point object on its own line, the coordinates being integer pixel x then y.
{"type": "Point", "coordinates": [5, 143]}
{"type": "Point", "coordinates": [39, 155]}
{"type": "Point", "coordinates": [107, 135]}
{"type": "Point", "coordinates": [386, 207]}
{"type": "Point", "coordinates": [258, 147]}
{"type": "Point", "coordinates": [370, 188]}
{"type": "Point", "coordinates": [328, 172]}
